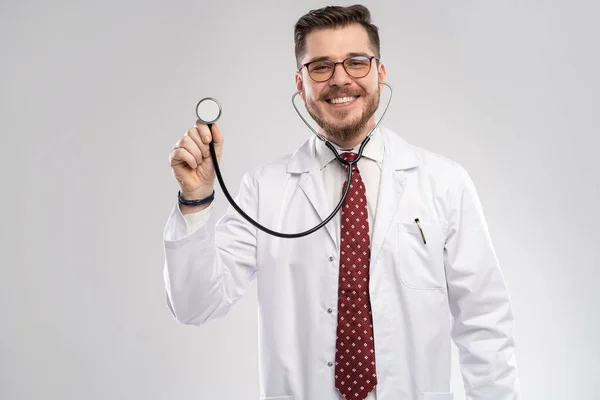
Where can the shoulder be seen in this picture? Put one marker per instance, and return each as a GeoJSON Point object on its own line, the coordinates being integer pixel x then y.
{"type": "Point", "coordinates": [417, 156]}
{"type": "Point", "coordinates": [441, 172]}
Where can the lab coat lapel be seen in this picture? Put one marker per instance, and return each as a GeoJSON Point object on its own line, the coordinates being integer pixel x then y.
{"type": "Point", "coordinates": [398, 157]}
{"type": "Point", "coordinates": [312, 185]}
{"type": "Point", "coordinates": [304, 162]}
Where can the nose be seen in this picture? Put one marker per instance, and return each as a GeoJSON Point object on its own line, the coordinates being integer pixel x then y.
{"type": "Point", "coordinates": [340, 76]}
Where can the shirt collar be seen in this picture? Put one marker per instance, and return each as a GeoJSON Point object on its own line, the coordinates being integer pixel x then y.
{"type": "Point", "coordinates": [372, 150]}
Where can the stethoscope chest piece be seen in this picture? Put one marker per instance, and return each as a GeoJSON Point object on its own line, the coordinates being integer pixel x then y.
{"type": "Point", "coordinates": [208, 110]}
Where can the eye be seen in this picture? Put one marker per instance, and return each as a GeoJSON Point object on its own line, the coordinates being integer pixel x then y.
{"type": "Point", "coordinates": [358, 62]}
{"type": "Point", "coordinates": [320, 67]}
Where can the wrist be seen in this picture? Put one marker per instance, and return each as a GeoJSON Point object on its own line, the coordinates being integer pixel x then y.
{"type": "Point", "coordinates": [197, 194]}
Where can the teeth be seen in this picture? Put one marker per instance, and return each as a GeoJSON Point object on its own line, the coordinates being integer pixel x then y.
{"type": "Point", "coordinates": [342, 100]}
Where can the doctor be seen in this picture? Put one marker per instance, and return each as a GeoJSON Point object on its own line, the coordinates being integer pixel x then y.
{"type": "Point", "coordinates": [364, 308]}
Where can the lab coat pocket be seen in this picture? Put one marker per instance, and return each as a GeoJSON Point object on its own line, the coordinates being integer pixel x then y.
{"type": "Point", "coordinates": [438, 396]}
{"type": "Point", "coordinates": [421, 254]}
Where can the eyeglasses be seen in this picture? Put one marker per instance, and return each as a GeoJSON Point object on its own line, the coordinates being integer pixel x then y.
{"type": "Point", "coordinates": [356, 67]}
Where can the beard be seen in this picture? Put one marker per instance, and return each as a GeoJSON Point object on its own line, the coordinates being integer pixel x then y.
{"type": "Point", "coordinates": [347, 129]}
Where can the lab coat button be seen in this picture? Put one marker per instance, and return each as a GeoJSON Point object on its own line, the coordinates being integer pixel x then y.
{"type": "Point", "coordinates": [330, 258]}
{"type": "Point", "coordinates": [330, 364]}
{"type": "Point", "coordinates": [329, 310]}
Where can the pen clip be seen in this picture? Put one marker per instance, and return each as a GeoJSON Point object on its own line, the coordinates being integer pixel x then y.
{"type": "Point", "coordinates": [421, 230]}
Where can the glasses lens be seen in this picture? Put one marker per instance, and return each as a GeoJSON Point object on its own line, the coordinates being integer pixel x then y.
{"type": "Point", "coordinates": [357, 67]}
{"type": "Point", "coordinates": [321, 70]}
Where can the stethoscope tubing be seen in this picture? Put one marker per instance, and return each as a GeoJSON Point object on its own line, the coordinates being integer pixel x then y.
{"type": "Point", "coordinates": [281, 234]}
{"type": "Point", "coordinates": [348, 164]}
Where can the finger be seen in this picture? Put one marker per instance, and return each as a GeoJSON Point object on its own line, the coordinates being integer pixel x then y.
{"type": "Point", "coordinates": [181, 154]}
{"type": "Point", "coordinates": [203, 147]}
{"type": "Point", "coordinates": [195, 135]}
{"type": "Point", "coordinates": [207, 136]}
{"type": "Point", "coordinates": [205, 150]}
{"type": "Point", "coordinates": [204, 132]}
{"type": "Point", "coordinates": [217, 136]}
{"type": "Point", "coordinates": [190, 145]}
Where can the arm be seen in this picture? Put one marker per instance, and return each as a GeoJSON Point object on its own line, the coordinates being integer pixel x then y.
{"type": "Point", "coordinates": [479, 301]}
{"type": "Point", "coordinates": [207, 269]}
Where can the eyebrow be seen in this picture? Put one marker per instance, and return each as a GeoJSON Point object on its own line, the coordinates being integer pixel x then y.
{"type": "Point", "coordinates": [329, 58]}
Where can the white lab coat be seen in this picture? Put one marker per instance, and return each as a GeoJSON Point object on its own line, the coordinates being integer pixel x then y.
{"type": "Point", "coordinates": [422, 294]}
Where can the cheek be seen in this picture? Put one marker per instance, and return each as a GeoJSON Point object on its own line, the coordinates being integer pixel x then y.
{"type": "Point", "coordinates": [310, 96]}
{"type": "Point", "coordinates": [370, 87]}
{"type": "Point", "coordinates": [312, 92]}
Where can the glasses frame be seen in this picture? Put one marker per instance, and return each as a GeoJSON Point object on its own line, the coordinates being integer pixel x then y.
{"type": "Point", "coordinates": [370, 58]}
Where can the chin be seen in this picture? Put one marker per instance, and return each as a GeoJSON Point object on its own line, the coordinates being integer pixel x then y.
{"type": "Point", "coordinates": [344, 118]}
{"type": "Point", "coordinates": [342, 124]}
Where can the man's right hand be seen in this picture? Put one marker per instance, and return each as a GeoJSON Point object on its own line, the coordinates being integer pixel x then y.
{"type": "Point", "coordinates": [192, 164]}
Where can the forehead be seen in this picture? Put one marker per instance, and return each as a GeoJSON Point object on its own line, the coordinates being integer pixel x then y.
{"type": "Point", "coordinates": [336, 43]}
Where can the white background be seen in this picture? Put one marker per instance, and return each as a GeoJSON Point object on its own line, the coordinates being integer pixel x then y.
{"type": "Point", "coordinates": [94, 95]}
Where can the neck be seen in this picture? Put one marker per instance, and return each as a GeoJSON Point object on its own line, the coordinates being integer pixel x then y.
{"type": "Point", "coordinates": [350, 143]}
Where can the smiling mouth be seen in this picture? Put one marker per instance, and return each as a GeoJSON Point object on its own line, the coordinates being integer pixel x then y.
{"type": "Point", "coordinates": [341, 100]}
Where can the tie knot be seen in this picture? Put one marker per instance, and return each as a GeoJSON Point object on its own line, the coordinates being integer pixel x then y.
{"type": "Point", "coordinates": [348, 156]}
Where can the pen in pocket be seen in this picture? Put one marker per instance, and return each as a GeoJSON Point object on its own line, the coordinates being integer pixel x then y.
{"type": "Point", "coordinates": [421, 230]}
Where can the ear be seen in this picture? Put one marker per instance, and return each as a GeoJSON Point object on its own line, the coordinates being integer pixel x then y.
{"type": "Point", "coordinates": [299, 84]}
{"type": "Point", "coordinates": [381, 73]}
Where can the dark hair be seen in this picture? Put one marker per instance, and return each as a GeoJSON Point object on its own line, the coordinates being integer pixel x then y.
{"type": "Point", "coordinates": [334, 17]}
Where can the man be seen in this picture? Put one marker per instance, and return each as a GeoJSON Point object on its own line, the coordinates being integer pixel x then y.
{"type": "Point", "coordinates": [359, 309]}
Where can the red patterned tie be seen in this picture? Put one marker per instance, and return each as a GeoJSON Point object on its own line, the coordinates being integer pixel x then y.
{"type": "Point", "coordinates": [355, 373]}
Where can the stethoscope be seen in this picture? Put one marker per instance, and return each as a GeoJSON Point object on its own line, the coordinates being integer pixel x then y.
{"type": "Point", "coordinates": [210, 109]}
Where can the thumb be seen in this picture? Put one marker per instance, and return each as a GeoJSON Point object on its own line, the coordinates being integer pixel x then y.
{"type": "Point", "coordinates": [217, 137]}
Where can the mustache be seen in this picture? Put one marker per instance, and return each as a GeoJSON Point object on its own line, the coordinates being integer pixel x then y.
{"type": "Point", "coordinates": [338, 92]}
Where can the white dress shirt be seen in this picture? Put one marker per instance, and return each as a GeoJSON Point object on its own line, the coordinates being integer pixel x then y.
{"type": "Point", "coordinates": [334, 176]}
